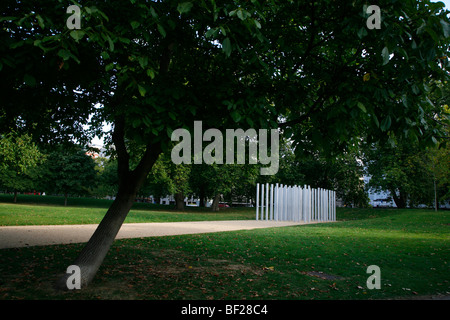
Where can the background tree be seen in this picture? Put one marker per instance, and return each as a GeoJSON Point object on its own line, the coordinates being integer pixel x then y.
{"type": "Point", "coordinates": [436, 161]}
{"type": "Point", "coordinates": [400, 171]}
{"type": "Point", "coordinates": [167, 179]}
{"type": "Point", "coordinates": [158, 182]}
{"type": "Point", "coordinates": [19, 162]}
{"type": "Point", "coordinates": [344, 173]}
{"type": "Point", "coordinates": [412, 172]}
{"type": "Point", "coordinates": [228, 182]}
{"type": "Point", "coordinates": [200, 183]}
{"type": "Point", "coordinates": [70, 172]}
{"type": "Point", "coordinates": [107, 180]}
{"type": "Point", "coordinates": [243, 183]}
{"type": "Point", "coordinates": [348, 173]}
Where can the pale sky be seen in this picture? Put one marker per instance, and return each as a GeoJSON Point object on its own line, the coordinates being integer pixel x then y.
{"type": "Point", "coordinates": [446, 2]}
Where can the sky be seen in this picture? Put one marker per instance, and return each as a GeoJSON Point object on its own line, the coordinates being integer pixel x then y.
{"type": "Point", "coordinates": [447, 4]}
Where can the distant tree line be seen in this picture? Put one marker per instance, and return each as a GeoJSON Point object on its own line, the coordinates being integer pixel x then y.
{"type": "Point", "coordinates": [411, 175]}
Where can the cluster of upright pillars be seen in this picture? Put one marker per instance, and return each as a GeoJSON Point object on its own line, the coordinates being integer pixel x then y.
{"type": "Point", "coordinates": [294, 203]}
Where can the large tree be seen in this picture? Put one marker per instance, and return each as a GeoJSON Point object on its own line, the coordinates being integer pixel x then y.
{"type": "Point", "coordinates": [400, 171]}
{"type": "Point", "coordinates": [166, 178]}
{"type": "Point", "coordinates": [154, 66]}
{"type": "Point", "coordinates": [20, 159]}
{"type": "Point", "coordinates": [70, 172]}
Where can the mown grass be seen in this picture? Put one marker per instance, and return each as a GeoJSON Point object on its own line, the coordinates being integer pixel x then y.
{"type": "Point", "coordinates": [39, 210]}
{"type": "Point", "coordinates": [317, 261]}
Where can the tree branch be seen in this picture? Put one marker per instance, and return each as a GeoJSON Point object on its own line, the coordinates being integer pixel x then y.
{"type": "Point", "coordinates": [118, 138]}
{"type": "Point", "coordinates": [303, 117]}
{"type": "Point", "coordinates": [152, 152]}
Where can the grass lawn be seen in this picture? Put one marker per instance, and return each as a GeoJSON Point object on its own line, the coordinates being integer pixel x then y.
{"type": "Point", "coordinates": [39, 210]}
{"type": "Point", "coordinates": [318, 261]}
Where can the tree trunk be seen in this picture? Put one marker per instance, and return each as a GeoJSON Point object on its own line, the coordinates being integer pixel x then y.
{"type": "Point", "coordinates": [215, 204]}
{"type": "Point", "coordinates": [15, 196]}
{"type": "Point", "coordinates": [179, 201]}
{"type": "Point", "coordinates": [92, 255]}
{"type": "Point", "coordinates": [400, 200]}
{"type": "Point", "coordinates": [202, 197]}
{"type": "Point", "coordinates": [435, 196]}
{"type": "Point", "coordinates": [65, 199]}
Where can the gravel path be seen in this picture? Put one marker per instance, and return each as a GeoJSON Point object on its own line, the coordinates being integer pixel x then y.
{"type": "Point", "coordinates": [24, 236]}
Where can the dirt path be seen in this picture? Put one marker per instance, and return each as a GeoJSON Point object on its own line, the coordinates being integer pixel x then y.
{"type": "Point", "coordinates": [24, 236]}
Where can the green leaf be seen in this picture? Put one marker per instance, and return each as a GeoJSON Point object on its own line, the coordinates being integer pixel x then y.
{"type": "Point", "coordinates": [40, 21]}
{"type": "Point", "coordinates": [169, 131]}
{"type": "Point", "coordinates": [136, 123]}
{"type": "Point", "coordinates": [211, 32]}
{"type": "Point", "coordinates": [375, 120]}
{"type": "Point", "coordinates": [386, 123]}
{"type": "Point", "coordinates": [147, 121]}
{"type": "Point", "coordinates": [111, 43]}
{"type": "Point", "coordinates": [65, 54]}
{"type": "Point", "coordinates": [105, 55]}
{"type": "Point", "coordinates": [192, 109]}
{"type": "Point", "coordinates": [153, 12]}
{"type": "Point", "coordinates": [135, 24]}
{"type": "Point", "coordinates": [362, 107]}
{"type": "Point", "coordinates": [184, 7]}
{"type": "Point", "coordinates": [232, 13]}
{"type": "Point", "coordinates": [385, 55]}
{"type": "Point", "coordinates": [240, 14]}
{"type": "Point", "coordinates": [142, 90]}
{"type": "Point", "coordinates": [151, 73]}
{"type": "Point", "coordinates": [445, 28]}
{"type": "Point", "coordinates": [124, 40]}
{"type": "Point", "coordinates": [236, 116]}
{"type": "Point", "coordinates": [17, 44]}
{"type": "Point", "coordinates": [109, 66]}
{"type": "Point", "coordinates": [362, 32]}
{"type": "Point", "coordinates": [8, 19]}
{"type": "Point", "coordinates": [226, 46]}
{"type": "Point", "coordinates": [161, 30]}
{"type": "Point", "coordinates": [77, 34]}
{"type": "Point", "coordinates": [432, 34]}
{"type": "Point", "coordinates": [143, 61]}
{"type": "Point", "coordinates": [29, 80]}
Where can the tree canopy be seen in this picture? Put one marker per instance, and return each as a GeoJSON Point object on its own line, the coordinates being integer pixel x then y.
{"type": "Point", "coordinates": [19, 162]}
{"type": "Point", "coordinates": [69, 172]}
